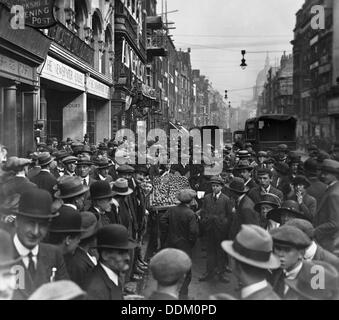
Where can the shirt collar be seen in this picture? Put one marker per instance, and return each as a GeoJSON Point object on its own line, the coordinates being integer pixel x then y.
{"type": "Point", "coordinates": [111, 274]}
{"type": "Point", "coordinates": [20, 174]}
{"type": "Point", "coordinates": [255, 287]}
{"type": "Point", "coordinates": [70, 205]}
{"type": "Point", "coordinates": [101, 177]}
{"type": "Point", "coordinates": [217, 195]}
{"type": "Point", "coordinates": [267, 190]}
{"type": "Point", "coordinates": [241, 197]}
{"type": "Point", "coordinates": [22, 250]}
{"type": "Point", "coordinates": [291, 275]}
{"type": "Point", "coordinates": [45, 170]}
{"type": "Point", "coordinates": [310, 251]}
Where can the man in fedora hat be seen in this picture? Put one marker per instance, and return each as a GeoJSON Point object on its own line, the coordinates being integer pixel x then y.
{"type": "Point", "coordinates": [264, 177]}
{"type": "Point", "coordinates": [327, 217]}
{"type": "Point", "coordinates": [69, 164]}
{"type": "Point", "coordinates": [85, 257]}
{"type": "Point", "coordinates": [101, 197]}
{"type": "Point", "coordinates": [268, 203]}
{"type": "Point", "coordinates": [215, 218]}
{"type": "Point", "coordinates": [281, 179]}
{"type": "Point", "coordinates": [42, 262]}
{"type": "Point", "coordinates": [289, 244]}
{"type": "Point", "coordinates": [169, 268]}
{"type": "Point", "coordinates": [179, 230]}
{"type": "Point", "coordinates": [304, 289]}
{"type": "Point", "coordinates": [251, 258]}
{"type": "Point", "coordinates": [102, 170]}
{"type": "Point", "coordinates": [244, 207]}
{"type": "Point", "coordinates": [72, 192]}
{"type": "Point", "coordinates": [83, 171]}
{"type": "Point", "coordinates": [113, 247]}
{"type": "Point", "coordinates": [7, 261]}
{"type": "Point", "coordinates": [45, 179]}
{"type": "Point", "coordinates": [244, 170]}
{"type": "Point", "coordinates": [59, 170]}
{"type": "Point", "coordinates": [314, 251]}
{"type": "Point", "coordinates": [316, 188]}
{"type": "Point", "coordinates": [307, 204]}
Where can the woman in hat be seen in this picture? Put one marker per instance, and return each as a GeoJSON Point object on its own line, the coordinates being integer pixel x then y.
{"type": "Point", "coordinates": [179, 229]}
{"type": "Point", "coordinates": [269, 202]}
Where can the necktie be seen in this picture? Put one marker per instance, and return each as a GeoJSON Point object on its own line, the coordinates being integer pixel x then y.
{"type": "Point", "coordinates": [85, 182]}
{"type": "Point", "coordinates": [31, 265]}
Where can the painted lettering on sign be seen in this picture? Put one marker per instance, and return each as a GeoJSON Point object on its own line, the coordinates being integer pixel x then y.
{"type": "Point", "coordinates": [17, 68]}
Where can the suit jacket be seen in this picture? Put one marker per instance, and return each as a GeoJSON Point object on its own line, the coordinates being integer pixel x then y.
{"type": "Point", "coordinates": [316, 189]}
{"type": "Point", "coordinates": [283, 185]}
{"type": "Point", "coordinates": [49, 257]}
{"type": "Point", "coordinates": [308, 207]}
{"type": "Point", "coordinates": [107, 217]}
{"type": "Point", "coordinates": [251, 184]}
{"type": "Point", "coordinates": [45, 180]}
{"type": "Point", "coordinates": [156, 295]}
{"type": "Point", "coordinates": [33, 172]}
{"type": "Point", "coordinates": [264, 294]}
{"type": "Point", "coordinates": [179, 229]}
{"type": "Point", "coordinates": [216, 215]}
{"type": "Point", "coordinates": [79, 267]}
{"type": "Point", "coordinates": [88, 194]}
{"type": "Point", "coordinates": [109, 179]}
{"type": "Point", "coordinates": [100, 287]}
{"type": "Point", "coordinates": [256, 194]}
{"type": "Point", "coordinates": [327, 218]}
{"type": "Point", "coordinates": [323, 255]}
{"type": "Point", "coordinates": [17, 185]}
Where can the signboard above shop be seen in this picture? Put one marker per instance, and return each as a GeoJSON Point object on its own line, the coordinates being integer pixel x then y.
{"type": "Point", "coordinates": [37, 13]}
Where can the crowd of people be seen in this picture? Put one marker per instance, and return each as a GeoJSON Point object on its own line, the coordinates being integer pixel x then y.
{"type": "Point", "coordinates": [81, 225]}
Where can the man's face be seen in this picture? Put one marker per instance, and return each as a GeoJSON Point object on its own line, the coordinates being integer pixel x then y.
{"type": "Point", "coordinates": [53, 165]}
{"type": "Point", "coordinates": [80, 202]}
{"type": "Point", "coordinates": [104, 172]}
{"type": "Point", "coordinates": [216, 188]}
{"type": "Point", "coordinates": [105, 204]}
{"type": "Point", "coordinates": [300, 188]}
{"type": "Point", "coordinates": [264, 180]}
{"type": "Point", "coordinates": [31, 231]}
{"type": "Point", "coordinates": [245, 174]}
{"type": "Point", "coordinates": [288, 256]}
{"type": "Point", "coordinates": [118, 260]}
{"type": "Point", "coordinates": [139, 178]}
{"type": "Point", "coordinates": [7, 284]}
{"type": "Point", "coordinates": [265, 209]}
{"type": "Point", "coordinates": [327, 177]}
{"type": "Point", "coordinates": [261, 159]}
{"type": "Point", "coordinates": [71, 167]}
{"type": "Point", "coordinates": [83, 170]}
{"type": "Point", "coordinates": [294, 168]}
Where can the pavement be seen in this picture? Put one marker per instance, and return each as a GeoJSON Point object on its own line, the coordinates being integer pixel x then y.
{"type": "Point", "coordinates": [197, 290]}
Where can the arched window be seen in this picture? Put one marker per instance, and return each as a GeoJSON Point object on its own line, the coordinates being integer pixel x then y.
{"type": "Point", "coordinates": [81, 15]}
{"type": "Point", "coordinates": [107, 67]}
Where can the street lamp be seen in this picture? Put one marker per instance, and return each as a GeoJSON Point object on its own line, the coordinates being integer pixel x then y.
{"type": "Point", "coordinates": [243, 64]}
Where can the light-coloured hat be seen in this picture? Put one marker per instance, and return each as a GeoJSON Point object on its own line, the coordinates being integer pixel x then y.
{"type": "Point", "coordinates": [59, 290]}
{"type": "Point", "coordinates": [253, 245]}
{"type": "Point", "coordinates": [120, 187]}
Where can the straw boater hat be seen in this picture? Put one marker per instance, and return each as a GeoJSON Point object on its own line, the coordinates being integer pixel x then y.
{"type": "Point", "coordinates": [253, 246]}
{"type": "Point", "coordinates": [120, 187]}
{"type": "Point", "coordinates": [243, 165]}
{"type": "Point", "coordinates": [270, 199]}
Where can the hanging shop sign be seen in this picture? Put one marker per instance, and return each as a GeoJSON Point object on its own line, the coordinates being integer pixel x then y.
{"type": "Point", "coordinates": [131, 60]}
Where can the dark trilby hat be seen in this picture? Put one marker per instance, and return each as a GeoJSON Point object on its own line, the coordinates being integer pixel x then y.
{"type": "Point", "coordinates": [301, 180]}
{"type": "Point", "coordinates": [61, 154]}
{"type": "Point", "coordinates": [84, 161]}
{"type": "Point", "coordinates": [289, 236]}
{"type": "Point", "coordinates": [68, 221]}
{"type": "Point", "coordinates": [86, 149]}
{"type": "Point", "coordinates": [125, 169]}
{"type": "Point", "coordinates": [101, 190]}
{"type": "Point", "coordinates": [311, 166]}
{"type": "Point", "coordinates": [237, 185]}
{"type": "Point", "coordinates": [89, 223]}
{"type": "Point", "coordinates": [330, 166]}
{"type": "Point", "coordinates": [303, 284]}
{"type": "Point", "coordinates": [7, 259]}
{"type": "Point", "coordinates": [282, 168]}
{"type": "Point", "coordinates": [289, 208]}
{"type": "Point", "coordinates": [270, 199]}
{"type": "Point", "coordinates": [217, 180]}
{"type": "Point", "coordinates": [114, 236]}
{"type": "Point", "coordinates": [169, 266]}
{"type": "Point", "coordinates": [44, 159]}
{"type": "Point", "coordinates": [103, 163]}
{"type": "Point", "coordinates": [37, 204]}
{"type": "Point", "coordinates": [70, 187]}
{"type": "Point", "coordinates": [253, 245]}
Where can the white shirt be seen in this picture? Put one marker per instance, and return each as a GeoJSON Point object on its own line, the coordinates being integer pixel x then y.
{"type": "Point", "coordinates": [246, 183]}
{"type": "Point", "coordinates": [267, 190]}
{"type": "Point", "coordinates": [310, 251]}
{"type": "Point", "coordinates": [101, 177]}
{"type": "Point", "coordinates": [93, 259]}
{"type": "Point", "coordinates": [255, 287]}
{"type": "Point", "coordinates": [70, 205]}
{"type": "Point", "coordinates": [217, 195]}
{"type": "Point", "coordinates": [111, 274]}
{"type": "Point", "coordinates": [87, 180]}
{"type": "Point", "coordinates": [292, 275]}
{"type": "Point", "coordinates": [241, 197]}
{"type": "Point", "coordinates": [45, 170]}
{"type": "Point", "coordinates": [24, 252]}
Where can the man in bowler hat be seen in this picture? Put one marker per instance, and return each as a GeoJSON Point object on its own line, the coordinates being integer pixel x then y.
{"type": "Point", "coordinates": [251, 258]}
{"type": "Point", "coordinates": [169, 268]}
{"type": "Point", "coordinates": [113, 247]}
{"type": "Point", "coordinates": [42, 262]}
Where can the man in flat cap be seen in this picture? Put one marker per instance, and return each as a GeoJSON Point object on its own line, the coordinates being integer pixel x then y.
{"type": "Point", "coordinates": [215, 214]}
{"type": "Point", "coordinates": [327, 217]}
{"type": "Point", "coordinates": [251, 258]}
{"type": "Point", "coordinates": [69, 164]}
{"type": "Point", "coordinates": [314, 251]}
{"type": "Point", "coordinates": [169, 268]}
{"type": "Point", "coordinates": [113, 247]}
{"type": "Point", "coordinates": [289, 245]}
{"type": "Point", "coordinates": [179, 230]}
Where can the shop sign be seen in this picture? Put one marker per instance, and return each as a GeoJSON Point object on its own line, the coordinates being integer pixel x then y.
{"type": "Point", "coordinates": [57, 71]}
{"type": "Point", "coordinates": [97, 88]}
{"type": "Point", "coordinates": [16, 68]}
{"type": "Point", "coordinates": [333, 106]}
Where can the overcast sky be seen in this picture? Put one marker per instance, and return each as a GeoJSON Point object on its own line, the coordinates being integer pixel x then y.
{"type": "Point", "coordinates": [217, 30]}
